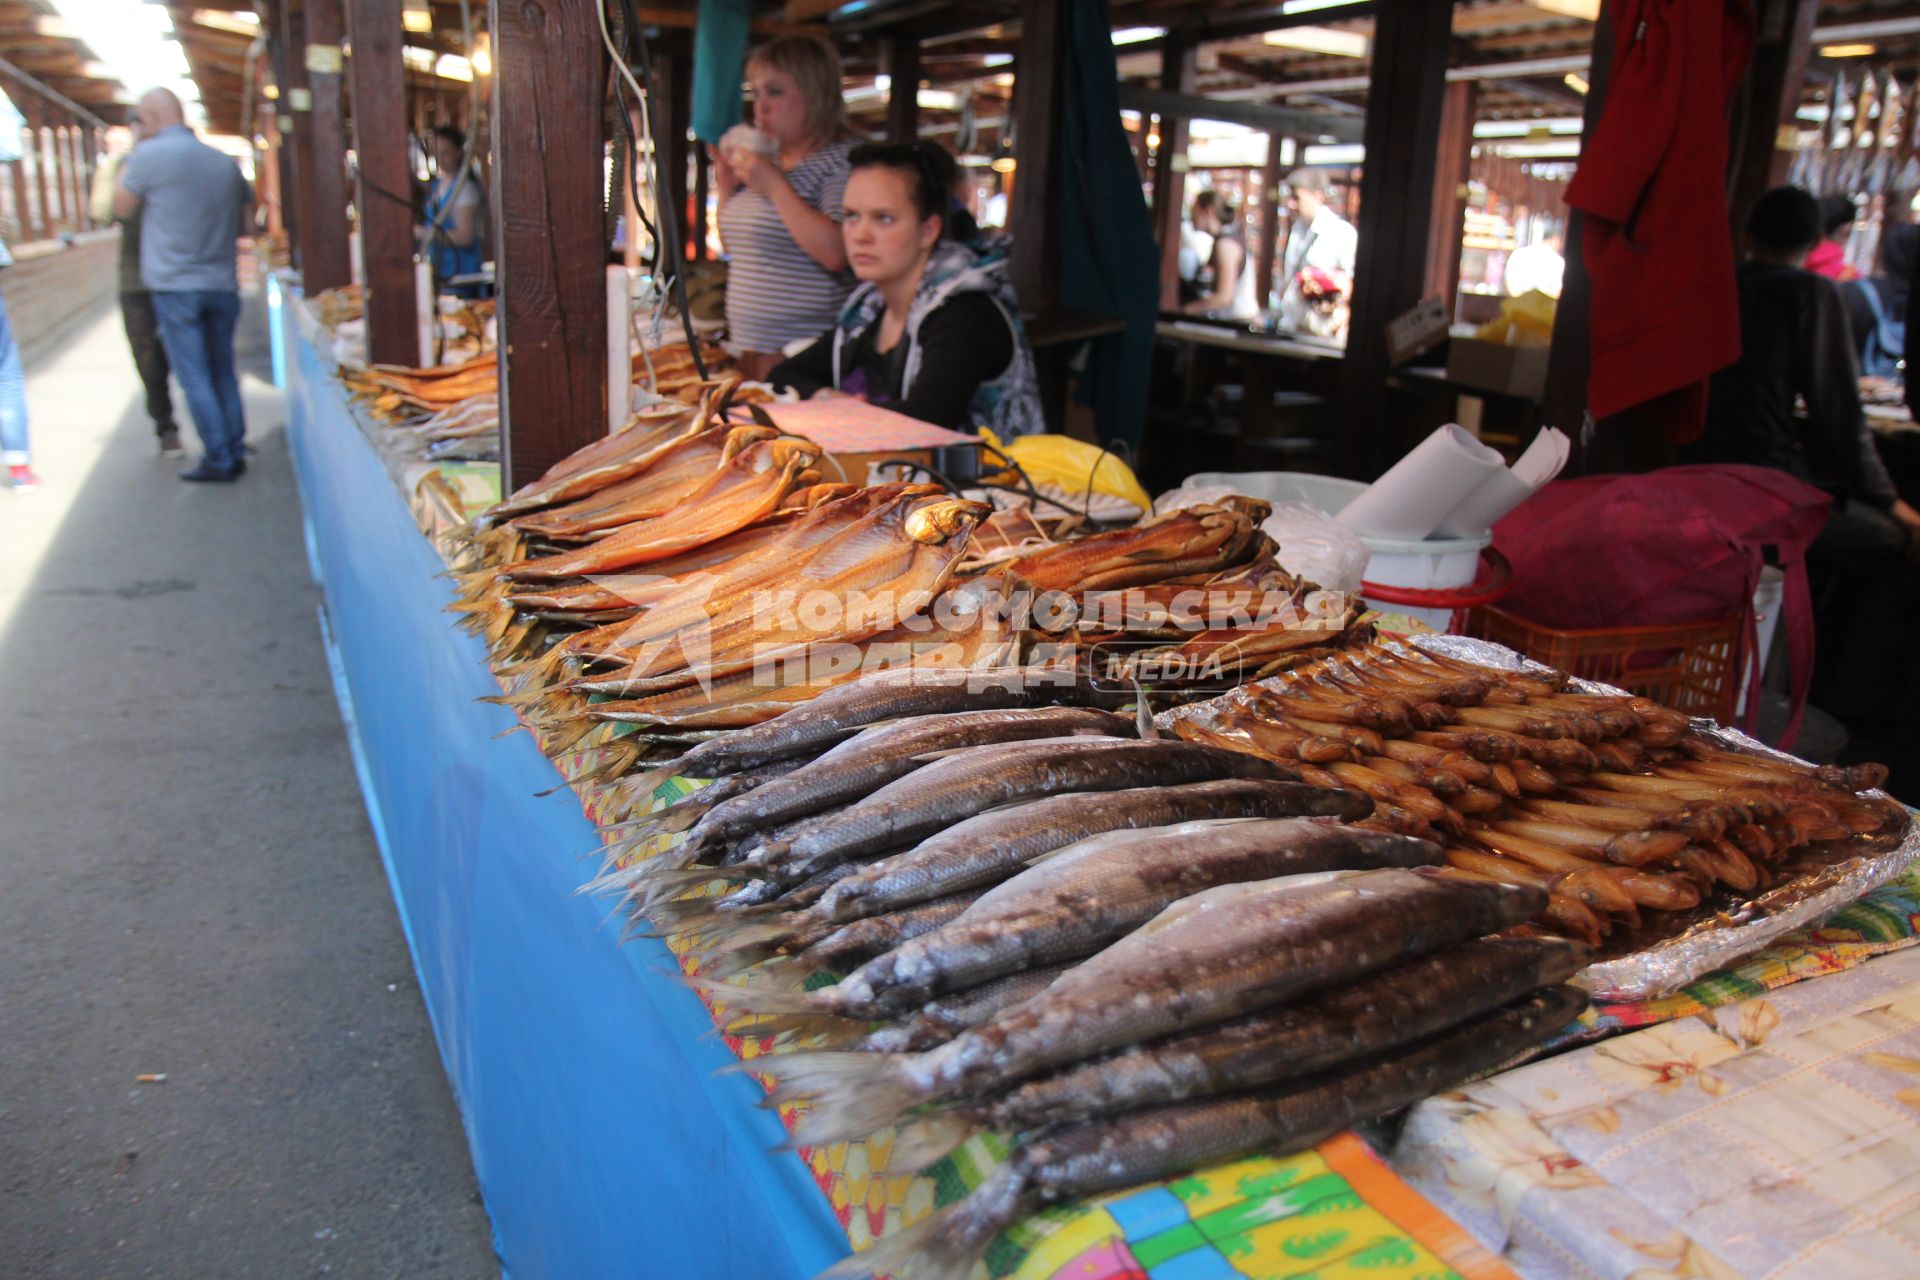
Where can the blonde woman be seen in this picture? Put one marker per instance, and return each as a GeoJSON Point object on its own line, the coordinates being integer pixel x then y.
{"type": "Point", "coordinates": [780, 209]}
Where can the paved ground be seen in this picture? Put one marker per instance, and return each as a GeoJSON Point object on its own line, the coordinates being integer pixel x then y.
{"type": "Point", "coordinates": [189, 887]}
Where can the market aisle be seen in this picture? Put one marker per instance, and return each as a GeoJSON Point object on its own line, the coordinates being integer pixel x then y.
{"type": "Point", "coordinates": [189, 887]}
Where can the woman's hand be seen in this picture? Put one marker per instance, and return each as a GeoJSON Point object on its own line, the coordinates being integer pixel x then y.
{"type": "Point", "coordinates": [759, 173]}
{"type": "Point", "coordinates": [725, 180]}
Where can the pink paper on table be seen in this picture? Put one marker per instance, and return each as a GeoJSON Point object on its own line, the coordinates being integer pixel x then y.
{"type": "Point", "coordinates": [854, 426]}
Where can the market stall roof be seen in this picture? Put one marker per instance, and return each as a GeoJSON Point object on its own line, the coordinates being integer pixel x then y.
{"type": "Point", "coordinates": [38, 45]}
{"type": "Point", "coordinates": [218, 37]}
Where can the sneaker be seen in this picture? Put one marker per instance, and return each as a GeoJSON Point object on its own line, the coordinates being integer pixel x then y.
{"type": "Point", "coordinates": [206, 473]}
{"type": "Point", "coordinates": [21, 479]}
{"type": "Point", "coordinates": [170, 446]}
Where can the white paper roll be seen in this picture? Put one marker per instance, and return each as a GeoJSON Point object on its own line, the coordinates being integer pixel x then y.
{"type": "Point", "coordinates": [1421, 489]}
{"type": "Point", "coordinates": [1504, 490]}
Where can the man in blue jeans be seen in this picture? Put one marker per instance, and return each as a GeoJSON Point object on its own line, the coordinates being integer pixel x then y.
{"type": "Point", "coordinates": [193, 205]}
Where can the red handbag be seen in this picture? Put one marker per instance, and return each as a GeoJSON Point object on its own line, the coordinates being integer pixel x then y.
{"type": "Point", "coordinates": [1685, 544]}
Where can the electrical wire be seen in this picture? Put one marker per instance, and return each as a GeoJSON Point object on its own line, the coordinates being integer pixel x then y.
{"type": "Point", "coordinates": [668, 240]}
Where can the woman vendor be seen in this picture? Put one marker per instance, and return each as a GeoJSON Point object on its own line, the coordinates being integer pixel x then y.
{"type": "Point", "coordinates": [780, 202]}
{"type": "Point", "coordinates": [933, 330]}
{"type": "Point", "coordinates": [451, 236]}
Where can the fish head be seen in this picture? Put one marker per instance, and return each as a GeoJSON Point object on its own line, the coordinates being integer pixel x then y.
{"type": "Point", "coordinates": [794, 454]}
{"type": "Point", "coordinates": [938, 521]}
{"type": "Point", "coordinates": [740, 439]}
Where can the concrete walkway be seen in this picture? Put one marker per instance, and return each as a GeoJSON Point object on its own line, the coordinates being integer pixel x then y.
{"type": "Point", "coordinates": [189, 887]}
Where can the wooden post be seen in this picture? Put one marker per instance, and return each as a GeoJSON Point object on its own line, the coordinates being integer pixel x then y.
{"type": "Point", "coordinates": [1766, 102]}
{"type": "Point", "coordinates": [1450, 192]}
{"type": "Point", "coordinates": [1269, 247]}
{"type": "Point", "coordinates": [385, 199]}
{"type": "Point", "coordinates": [697, 225]}
{"type": "Point", "coordinates": [1404, 101]}
{"type": "Point", "coordinates": [900, 59]}
{"type": "Point", "coordinates": [21, 214]}
{"type": "Point", "coordinates": [1179, 72]}
{"type": "Point", "coordinates": [549, 79]}
{"type": "Point", "coordinates": [672, 112]}
{"type": "Point", "coordinates": [62, 173]}
{"type": "Point", "coordinates": [1570, 358]}
{"type": "Point", "coordinates": [77, 166]}
{"type": "Point", "coordinates": [296, 100]}
{"type": "Point", "coordinates": [271, 170]}
{"type": "Point", "coordinates": [45, 173]}
{"type": "Point", "coordinates": [1033, 213]}
{"type": "Point", "coordinates": [328, 261]}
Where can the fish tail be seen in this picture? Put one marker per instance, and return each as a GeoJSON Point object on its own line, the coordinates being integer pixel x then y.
{"type": "Point", "coordinates": [831, 1032]}
{"type": "Point", "coordinates": [616, 758]}
{"type": "Point", "coordinates": [948, 1244]}
{"type": "Point", "coordinates": [738, 1001]}
{"type": "Point", "coordinates": [654, 886]}
{"type": "Point", "coordinates": [924, 1139]}
{"type": "Point", "coordinates": [737, 959]}
{"type": "Point", "coordinates": [768, 937]}
{"type": "Point", "coordinates": [850, 1094]}
{"type": "Point", "coordinates": [642, 784]}
{"type": "Point", "coordinates": [564, 735]}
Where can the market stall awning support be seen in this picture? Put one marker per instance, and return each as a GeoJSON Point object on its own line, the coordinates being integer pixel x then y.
{"type": "Point", "coordinates": [1179, 73]}
{"type": "Point", "coordinates": [384, 198]}
{"type": "Point", "coordinates": [549, 83]}
{"type": "Point", "coordinates": [328, 262]}
{"type": "Point", "coordinates": [1404, 102]}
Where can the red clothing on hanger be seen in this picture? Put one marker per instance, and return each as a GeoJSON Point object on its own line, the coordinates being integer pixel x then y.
{"type": "Point", "coordinates": [1652, 181]}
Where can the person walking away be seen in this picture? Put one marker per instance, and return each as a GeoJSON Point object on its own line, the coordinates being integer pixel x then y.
{"type": "Point", "coordinates": [192, 203]}
{"type": "Point", "coordinates": [452, 236]}
{"type": "Point", "coordinates": [14, 453]}
{"type": "Point", "coordinates": [1317, 267]}
{"type": "Point", "coordinates": [780, 207]}
{"type": "Point", "coordinates": [1795, 345]}
{"type": "Point", "coordinates": [136, 308]}
{"type": "Point", "coordinates": [1228, 279]}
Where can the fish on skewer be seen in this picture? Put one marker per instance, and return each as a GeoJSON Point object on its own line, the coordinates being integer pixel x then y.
{"type": "Point", "coordinates": [978, 778]}
{"type": "Point", "coordinates": [1373, 1015]}
{"type": "Point", "coordinates": [1206, 959]}
{"type": "Point", "coordinates": [1106, 1154]}
{"type": "Point", "coordinates": [744, 489]}
{"type": "Point", "coordinates": [1082, 897]}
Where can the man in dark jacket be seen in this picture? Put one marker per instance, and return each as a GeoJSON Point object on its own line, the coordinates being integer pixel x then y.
{"type": "Point", "coordinates": [1796, 346]}
{"type": "Point", "coordinates": [136, 314]}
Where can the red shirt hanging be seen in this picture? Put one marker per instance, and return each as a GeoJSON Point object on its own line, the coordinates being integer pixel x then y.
{"type": "Point", "coordinates": [1652, 180]}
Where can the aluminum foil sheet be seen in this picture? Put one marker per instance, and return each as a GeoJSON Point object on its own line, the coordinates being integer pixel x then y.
{"type": "Point", "coordinates": [1740, 927]}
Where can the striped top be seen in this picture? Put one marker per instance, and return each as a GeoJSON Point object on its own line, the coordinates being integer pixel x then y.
{"type": "Point", "coordinates": [775, 292]}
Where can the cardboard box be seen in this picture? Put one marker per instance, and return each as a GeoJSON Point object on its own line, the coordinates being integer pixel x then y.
{"type": "Point", "coordinates": [1497, 367]}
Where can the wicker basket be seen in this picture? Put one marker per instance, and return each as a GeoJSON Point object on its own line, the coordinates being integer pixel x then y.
{"type": "Point", "coordinates": [1688, 666]}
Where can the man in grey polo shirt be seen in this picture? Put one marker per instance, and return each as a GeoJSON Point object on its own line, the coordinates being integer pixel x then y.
{"type": "Point", "coordinates": [193, 204]}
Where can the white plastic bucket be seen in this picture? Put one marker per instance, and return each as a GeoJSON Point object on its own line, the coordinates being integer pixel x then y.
{"type": "Point", "coordinates": [1428, 564]}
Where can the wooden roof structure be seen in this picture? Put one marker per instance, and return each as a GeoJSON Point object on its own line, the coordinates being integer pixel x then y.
{"type": "Point", "coordinates": [42, 49]}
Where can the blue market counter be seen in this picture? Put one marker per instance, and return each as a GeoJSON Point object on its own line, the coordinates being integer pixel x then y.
{"type": "Point", "coordinates": [604, 1143]}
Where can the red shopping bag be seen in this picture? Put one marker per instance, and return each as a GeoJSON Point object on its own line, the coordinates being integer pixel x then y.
{"type": "Point", "coordinates": [1685, 544]}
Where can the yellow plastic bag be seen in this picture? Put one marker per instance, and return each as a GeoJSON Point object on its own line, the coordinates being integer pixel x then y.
{"type": "Point", "coordinates": [1525, 321]}
{"type": "Point", "coordinates": [1074, 465]}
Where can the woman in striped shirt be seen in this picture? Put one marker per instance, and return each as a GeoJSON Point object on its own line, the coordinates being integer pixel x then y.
{"type": "Point", "coordinates": [780, 216]}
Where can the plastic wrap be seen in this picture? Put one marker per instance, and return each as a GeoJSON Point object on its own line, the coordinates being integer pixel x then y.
{"type": "Point", "coordinates": [1740, 927]}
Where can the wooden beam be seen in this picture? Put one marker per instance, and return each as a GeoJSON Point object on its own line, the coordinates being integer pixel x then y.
{"type": "Point", "coordinates": [697, 225]}
{"type": "Point", "coordinates": [1179, 65]}
{"type": "Point", "coordinates": [296, 106]}
{"type": "Point", "coordinates": [36, 115]}
{"type": "Point", "coordinates": [1450, 192]}
{"type": "Point", "coordinates": [1034, 219]}
{"type": "Point", "coordinates": [672, 113]}
{"type": "Point", "coordinates": [22, 214]}
{"type": "Point", "coordinates": [329, 259]}
{"type": "Point", "coordinates": [1231, 25]}
{"type": "Point", "coordinates": [1188, 105]}
{"type": "Point", "coordinates": [1404, 106]}
{"type": "Point", "coordinates": [549, 81]}
{"type": "Point", "coordinates": [900, 55]}
{"type": "Point", "coordinates": [1269, 206]}
{"type": "Point", "coordinates": [384, 196]}
{"type": "Point", "coordinates": [1570, 358]}
{"type": "Point", "coordinates": [1767, 101]}
{"type": "Point", "coordinates": [687, 19]}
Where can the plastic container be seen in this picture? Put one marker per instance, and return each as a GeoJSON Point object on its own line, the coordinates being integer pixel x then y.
{"type": "Point", "coordinates": [1442, 566]}
{"type": "Point", "coordinates": [1684, 665]}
